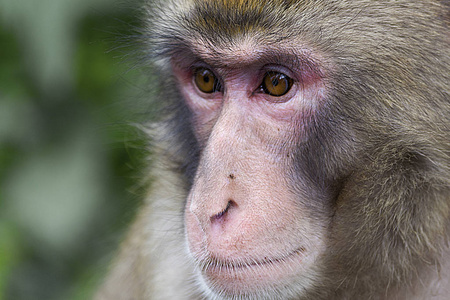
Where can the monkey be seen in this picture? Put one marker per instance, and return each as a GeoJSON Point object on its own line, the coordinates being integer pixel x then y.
{"type": "Point", "coordinates": [303, 153]}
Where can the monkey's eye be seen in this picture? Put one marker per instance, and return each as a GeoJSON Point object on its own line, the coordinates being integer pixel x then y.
{"type": "Point", "coordinates": [276, 84]}
{"type": "Point", "coordinates": [206, 81]}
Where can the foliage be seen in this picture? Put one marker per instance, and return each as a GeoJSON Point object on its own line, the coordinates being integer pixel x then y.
{"type": "Point", "coordinates": [68, 158]}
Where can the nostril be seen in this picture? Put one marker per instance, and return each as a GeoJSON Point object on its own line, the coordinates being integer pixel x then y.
{"type": "Point", "coordinates": [224, 212]}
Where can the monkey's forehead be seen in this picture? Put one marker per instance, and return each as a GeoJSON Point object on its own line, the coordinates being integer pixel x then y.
{"type": "Point", "coordinates": [232, 33]}
{"type": "Point", "coordinates": [330, 28]}
{"type": "Point", "coordinates": [275, 20]}
{"type": "Point", "coordinates": [221, 22]}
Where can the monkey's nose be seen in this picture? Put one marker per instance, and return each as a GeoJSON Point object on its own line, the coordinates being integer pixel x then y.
{"type": "Point", "coordinates": [219, 217]}
{"type": "Point", "coordinates": [214, 218]}
{"type": "Point", "coordinates": [222, 222]}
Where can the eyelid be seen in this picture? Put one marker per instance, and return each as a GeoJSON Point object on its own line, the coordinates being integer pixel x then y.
{"type": "Point", "coordinates": [278, 69]}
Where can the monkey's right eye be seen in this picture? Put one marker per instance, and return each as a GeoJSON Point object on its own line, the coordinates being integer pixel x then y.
{"type": "Point", "coordinates": [206, 81]}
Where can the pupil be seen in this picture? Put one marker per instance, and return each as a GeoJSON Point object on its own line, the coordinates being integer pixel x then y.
{"type": "Point", "coordinates": [275, 82]}
{"type": "Point", "coordinates": [206, 78]}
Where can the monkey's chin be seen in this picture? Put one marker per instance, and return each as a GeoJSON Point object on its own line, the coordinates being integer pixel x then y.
{"type": "Point", "coordinates": [253, 279]}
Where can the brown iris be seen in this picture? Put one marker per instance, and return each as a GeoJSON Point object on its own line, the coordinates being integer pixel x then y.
{"type": "Point", "coordinates": [276, 84]}
{"type": "Point", "coordinates": [206, 81]}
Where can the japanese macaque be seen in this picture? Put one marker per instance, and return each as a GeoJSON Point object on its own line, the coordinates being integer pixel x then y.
{"type": "Point", "coordinates": [304, 153]}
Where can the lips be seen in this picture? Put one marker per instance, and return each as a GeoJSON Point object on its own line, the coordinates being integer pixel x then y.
{"type": "Point", "coordinates": [213, 262]}
{"type": "Point", "coordinates": [243, 276]}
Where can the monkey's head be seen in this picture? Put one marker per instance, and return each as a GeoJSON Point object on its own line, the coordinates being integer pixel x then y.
{"type": "Point", "coordinates": [315, 140]}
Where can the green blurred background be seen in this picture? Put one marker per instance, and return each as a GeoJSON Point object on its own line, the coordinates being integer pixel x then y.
{"type": "Point", "coordinates": [70, 162]}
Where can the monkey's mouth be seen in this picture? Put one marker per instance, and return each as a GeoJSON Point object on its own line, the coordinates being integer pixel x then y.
{"type": "Point", "coordinates": [240, 264]}
{"type": "Point", "coordinates": [248, 275]}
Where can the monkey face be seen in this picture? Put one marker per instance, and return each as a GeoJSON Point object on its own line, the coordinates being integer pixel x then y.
{"type": "Point", "coordinates": [247, 215]}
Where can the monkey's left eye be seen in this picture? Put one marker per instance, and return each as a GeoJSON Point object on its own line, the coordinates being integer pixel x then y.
{"type": "Point", "coordinates": [206, 81]}
{"type": "Point", "coordinates": [276, 84]}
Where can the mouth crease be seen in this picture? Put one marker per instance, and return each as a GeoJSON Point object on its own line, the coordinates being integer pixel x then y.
{"type": "Point", "coordinates": [212, 262]}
